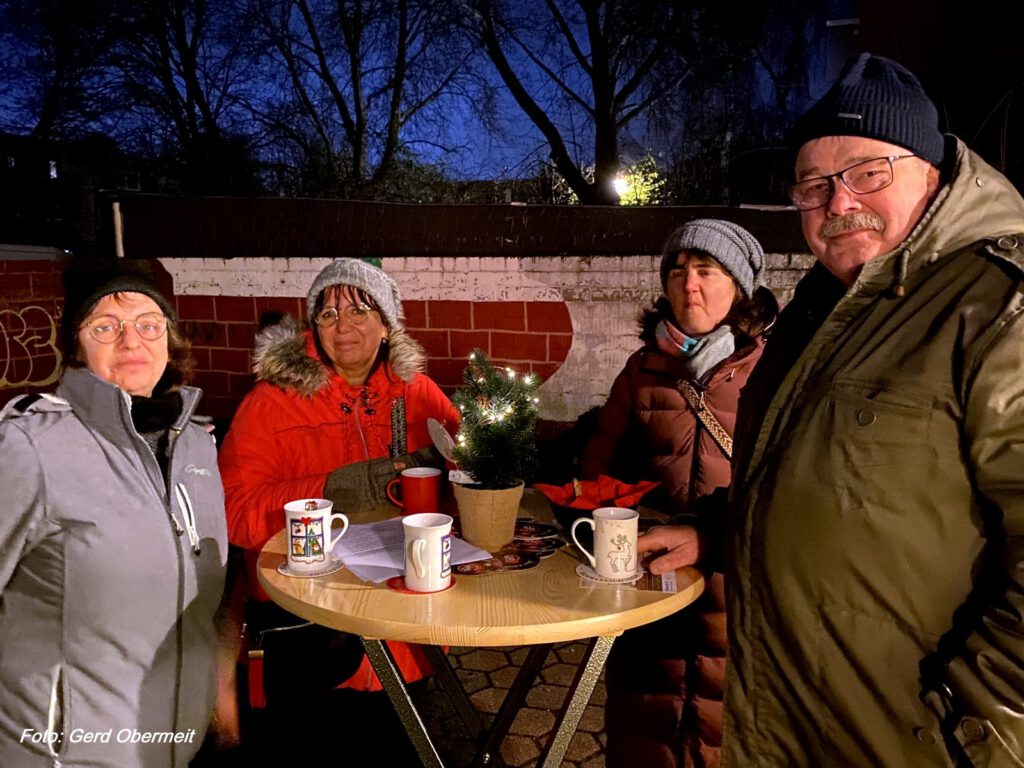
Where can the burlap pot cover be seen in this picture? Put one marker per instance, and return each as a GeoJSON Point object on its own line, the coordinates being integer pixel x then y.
{"type": "Point", "coordinates": [488, 517]}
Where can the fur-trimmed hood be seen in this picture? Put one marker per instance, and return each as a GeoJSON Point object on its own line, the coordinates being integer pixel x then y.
{"type": "Point", "coordinates": [284, 356]}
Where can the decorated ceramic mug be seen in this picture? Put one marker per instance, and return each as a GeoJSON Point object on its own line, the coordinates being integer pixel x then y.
{"type": "Point", "coordinates": [428, 552]}
{"type": "Point", "coordinates": [614, 555]}
{"type": "Point", "coordinates": [308, 525]}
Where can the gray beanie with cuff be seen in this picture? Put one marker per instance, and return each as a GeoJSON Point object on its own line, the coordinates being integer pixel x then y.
{"type": "Point", "coordinates": [729, 244]}
{"type": "Point", "coordinates": [359, 274]}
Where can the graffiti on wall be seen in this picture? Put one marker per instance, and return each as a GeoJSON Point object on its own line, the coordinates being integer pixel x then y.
{"type": "Point", "coordinates": [201, 332]}
{"type": "Point", "coordinates": [28, 348]}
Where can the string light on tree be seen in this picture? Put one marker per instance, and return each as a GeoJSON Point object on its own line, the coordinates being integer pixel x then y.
{"type": "Point", "coordinates": [496, 443]}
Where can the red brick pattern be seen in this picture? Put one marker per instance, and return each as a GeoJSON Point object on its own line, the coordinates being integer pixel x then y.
{"type": "Point", "coordinates": [464, 342]}
{"type": "Point", "coordinates": [525, 335]}
{"type": "Point", "coordinates": [447, 314]}
{"type": "Point", "coordinates": [506, 315]}
{"type": "Point", "coordinates": [268, 304]}
{"type": "Point", "coordinates": [195, 307]}
{"type": "Point", "coordinates": [528, 336]}
{"type": "Point", "coordinates": [223, 330]}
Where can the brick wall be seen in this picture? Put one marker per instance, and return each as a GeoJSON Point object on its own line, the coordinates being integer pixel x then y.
{"type": "Point", "coordinates": [570, 320]}
{"type": "Point", "coordinates": [29, 306]}
{"type": "Point", "coordinates": [568, 313]}
{"type": "Point", "coordinates": [529, 335]}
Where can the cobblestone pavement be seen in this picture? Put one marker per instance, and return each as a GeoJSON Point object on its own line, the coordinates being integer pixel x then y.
{"type": "Point", "coordinates": [486, 674]}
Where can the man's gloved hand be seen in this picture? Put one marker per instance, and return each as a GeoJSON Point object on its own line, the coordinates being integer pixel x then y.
{"type": "Point", "coordinates": [360, 487]}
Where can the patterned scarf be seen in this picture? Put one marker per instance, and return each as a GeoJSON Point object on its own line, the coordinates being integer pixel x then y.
{"type": "Point", "coordinates": [699, 354]}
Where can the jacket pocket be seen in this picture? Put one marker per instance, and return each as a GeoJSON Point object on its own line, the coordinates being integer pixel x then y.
{"type": "Point", "coordinates": [892, 448]}
{"type": "Point", "coordinates": [880, 424]}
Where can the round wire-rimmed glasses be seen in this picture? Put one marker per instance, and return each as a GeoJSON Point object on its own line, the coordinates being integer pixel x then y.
{"type": "Point", "coordinates": [107, 329]}
{"type": "Point", "coordinates": [861, 178]}
{"type": "Point", "coordinates": [357, 315]}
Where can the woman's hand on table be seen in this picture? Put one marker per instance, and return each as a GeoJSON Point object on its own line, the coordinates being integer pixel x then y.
{"type": "Point", "coordinates": [679, 544]}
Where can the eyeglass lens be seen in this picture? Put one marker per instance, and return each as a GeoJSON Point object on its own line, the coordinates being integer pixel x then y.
{"type": "Point", "coordinates": [861, 178]}
{"type": "Point", "coordinates": [353, 315]}
{"type": "Point", "coordinates": [108, 329]}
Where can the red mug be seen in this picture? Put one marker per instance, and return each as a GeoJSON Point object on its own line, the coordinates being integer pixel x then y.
{"type": "Point", "coordinates": [419, 489]}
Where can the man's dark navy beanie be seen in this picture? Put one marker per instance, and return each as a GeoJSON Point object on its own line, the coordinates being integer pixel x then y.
{"type": "Point", "coordinates": [878, 99]}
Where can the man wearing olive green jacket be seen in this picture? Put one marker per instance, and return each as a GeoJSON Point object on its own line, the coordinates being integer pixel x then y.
{"type": "Point", "coordinates": [875, 551]}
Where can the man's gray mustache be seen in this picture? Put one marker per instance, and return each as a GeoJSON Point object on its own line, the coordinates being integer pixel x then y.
{"type": "Point", "coordinates": [849, 222]}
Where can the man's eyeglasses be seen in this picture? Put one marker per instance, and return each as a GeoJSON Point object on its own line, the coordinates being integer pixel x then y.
{"type": "Point", "coordinates": [107, 329]}
{"type": "Point", "coordinates": [861, 178]}
{"type": "Point", "coordinates": [328, 316]}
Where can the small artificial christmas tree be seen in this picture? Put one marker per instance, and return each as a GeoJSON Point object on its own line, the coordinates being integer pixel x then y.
{"type": "Point", "coordinates": [496, 443]}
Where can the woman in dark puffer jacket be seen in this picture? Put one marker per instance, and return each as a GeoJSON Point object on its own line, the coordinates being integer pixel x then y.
{"type": "Point", "coordinates": [701, 340]}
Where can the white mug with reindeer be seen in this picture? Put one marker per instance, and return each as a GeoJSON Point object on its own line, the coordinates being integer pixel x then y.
{"type": "Point", "coordinates": [614, 555]}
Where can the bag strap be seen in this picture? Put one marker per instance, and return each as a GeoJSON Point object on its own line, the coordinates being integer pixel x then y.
{"type": "Point", "coordinates": [695, 400]}
{"type": "Point", "coordinates": [398, 434]}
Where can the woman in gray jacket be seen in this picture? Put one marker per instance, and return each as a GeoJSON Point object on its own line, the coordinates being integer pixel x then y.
{"type": "Point", "coordinates": [112, 542]}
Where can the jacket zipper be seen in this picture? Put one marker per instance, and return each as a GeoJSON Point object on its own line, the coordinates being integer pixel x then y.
{"type": "Point", "coordinates": [172, 439]}
{"type": "Point", "coordinates": [56, 702]}
{"type": "Point", "coordinates": [366, 453]}
{"type": "Point", "coordinates": [185, 504]}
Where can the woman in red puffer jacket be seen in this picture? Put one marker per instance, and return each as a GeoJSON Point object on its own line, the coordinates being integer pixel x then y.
{"type": "Point", "coordinates": [338, 411]}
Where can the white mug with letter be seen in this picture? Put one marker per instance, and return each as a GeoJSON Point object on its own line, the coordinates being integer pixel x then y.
{"type": "Point", "coordinates": [428, 551]}
{"type": "Point", "coordinates": [308, 523]}
{"type": "Point", "coordinates": [614, 555]}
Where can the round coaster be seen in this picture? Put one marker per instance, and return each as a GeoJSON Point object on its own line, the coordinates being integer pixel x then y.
{"type": "Point", "coordinates": [514, 560]}
{"type": "Point", "coordinates": [477, 567]}
{"type": "Point", "coordinates": [528, 528]}
{"type": "Point", "coordinates": [584, 570]}
{"type": "Point", "coordinates": [542, 553]}
{"type": "Point", "coordinates": [397, 584]}
{"type": "Point", "coordinates": [542, 547]}
{"type": "Point", "coordinates": [333, 568]}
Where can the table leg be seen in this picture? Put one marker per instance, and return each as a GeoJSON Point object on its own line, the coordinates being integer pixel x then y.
{"type": "Point", "coordinates": [579, 695]}
{"type": "Point", "coordinates": [384, 665]}
{"type": "Point", "coordinates": [595, 656]}
{"type": "Point", "coordinates": [448, 682]}
{"type": "Point", "coordinates": [488, 753]}
{"type": "Point", "coordinates": [446, 679]}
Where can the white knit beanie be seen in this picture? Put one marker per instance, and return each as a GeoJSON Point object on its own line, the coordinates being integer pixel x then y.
{"type": "Point", "coordinates": [359, 274]}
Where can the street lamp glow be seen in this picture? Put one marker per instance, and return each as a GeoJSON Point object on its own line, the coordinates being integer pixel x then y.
{"type": "Point", "coordinates": [620, 185]}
